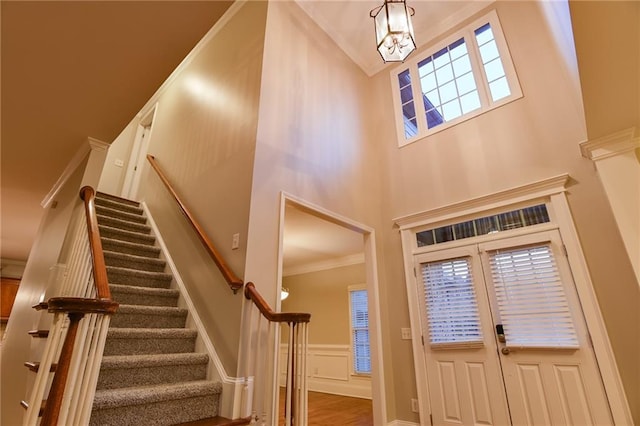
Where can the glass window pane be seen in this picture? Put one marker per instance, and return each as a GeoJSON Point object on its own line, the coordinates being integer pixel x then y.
{"type": "Point", "coordinates": [494, 70]}
{"type": "Point", "coordinates": [461, 65]}
{"type": "Point", "coordinates": [441, 58]}
{"type": "Point", "coordinates": [499, 89]}
{"type": "Point", "coordinates": [425, 66]}
{"type": "Point", "coordinates": [448, 92]}
{"type": "Point", "coordinates": [489, 51]}
{"type": "Point", "coordinates": [444, 74]}
{"type": "Point", "coordinates": [433, 97]}
{"type": "Point", "coordinates": [470, 102]}
{"type": "Point", "coordinates": [425, 238]}
{"type": "Point", "coordinates": [443, 234]}
{"type": "Point", "coordinates": [484, 34]}
{"type": "Point", "coordinates": [406, 95]}
{"type": "Point", "coordinates": [466, 83]}
{"type": "Point", "coordinates": [457, 49]}
{"type": "Point", "coordinates": [434, 118]}
{"type": "Point", "coordinates": [428, 82]}
{"type": "Point", "coordinates": [451, 110]}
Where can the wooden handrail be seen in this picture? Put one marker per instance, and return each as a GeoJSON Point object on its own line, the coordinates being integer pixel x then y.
{"type": "Point", "coordinates": [252, 294]}
{"type": "Point", "coordinates": [234, 282]}
{"type": "Point", "coordinates": [100, 280]}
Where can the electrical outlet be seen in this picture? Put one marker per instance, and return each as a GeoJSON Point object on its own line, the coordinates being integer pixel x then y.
{"type": "Point", "coordinates": [405, 333]}
{"type": "Point", "coordinates": [235, 243]}
{"type": "Point", "coordinates": [414, 405]}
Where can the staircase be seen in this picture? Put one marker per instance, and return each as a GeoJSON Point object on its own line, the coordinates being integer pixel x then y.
{"type": "Point", "coordinates": [150, 372]}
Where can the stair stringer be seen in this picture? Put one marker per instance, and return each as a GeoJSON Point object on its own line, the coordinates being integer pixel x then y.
{"type": "Point", "coordinates": [232, 387]}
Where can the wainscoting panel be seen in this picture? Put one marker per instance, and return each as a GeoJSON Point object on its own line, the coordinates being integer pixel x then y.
{"type": "Point", "coordinates": [329, 371]}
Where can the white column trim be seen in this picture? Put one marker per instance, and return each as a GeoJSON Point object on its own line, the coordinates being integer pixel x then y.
{"type": "Point", "coordinates": [611, 145]}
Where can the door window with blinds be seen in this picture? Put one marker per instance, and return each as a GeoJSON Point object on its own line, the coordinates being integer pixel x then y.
{"type": "Point", "coordinates": [530, 298]}
{"type": "Point", "coordinates": [450, 299]}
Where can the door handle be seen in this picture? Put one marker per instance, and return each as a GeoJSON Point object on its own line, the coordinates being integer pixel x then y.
{"type": "Point", "coordinates": [500, 333]}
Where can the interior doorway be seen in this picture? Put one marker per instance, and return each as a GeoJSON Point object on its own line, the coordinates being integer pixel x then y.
{"type": "Point", "coordinates": [138, 155]}
{"type": "Point", "coordinates": [324, 258]}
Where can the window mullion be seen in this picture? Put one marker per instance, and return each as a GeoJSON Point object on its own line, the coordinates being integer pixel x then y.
{"type": "Point", "coordinates": [478, 70]}
{"type": "Point", "coordinates": [417, 98]}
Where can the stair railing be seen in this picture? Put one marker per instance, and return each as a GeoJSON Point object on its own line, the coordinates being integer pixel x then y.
{"type": "Point", "coordinates": [296, 390]}
{"type": "Point", "coordinates": [296, 403]}
{"type": "Point", "coordinates": [82, 312]}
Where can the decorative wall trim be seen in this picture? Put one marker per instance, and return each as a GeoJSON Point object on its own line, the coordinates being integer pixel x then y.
{"type": "Point", "coordinates": [324, 265]}
{"type": "Point", "coordinates": [538, 189]}
{"type": "Point", "coordinates": [84, 150]}
{"type": "Point", "coordinates": [231, 385]}
{"type": "Point", "coordinates": [329, 371]}
{"type": "Point", "coordinates": [610, 145]}
{"type": "Point", "coordinates": [12, 268]}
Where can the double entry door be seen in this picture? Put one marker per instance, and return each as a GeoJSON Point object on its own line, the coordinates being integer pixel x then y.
{"type": "Point", "coordinates": [505, 341]}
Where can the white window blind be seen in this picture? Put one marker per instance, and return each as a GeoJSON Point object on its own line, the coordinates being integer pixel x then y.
{"type": "Point", "coordinates": [360, 331]}
{"type": "Point", "coordinates": [531, 300]}
{"type": "Point", "coordinates": [452, 308]}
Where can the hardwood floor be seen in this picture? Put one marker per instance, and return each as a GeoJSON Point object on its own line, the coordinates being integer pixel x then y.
{"type": "Point", "coordinates": [333, 410]}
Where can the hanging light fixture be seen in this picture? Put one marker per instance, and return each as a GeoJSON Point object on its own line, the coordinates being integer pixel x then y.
{"type": "Point", "coordinates": [394, 31]}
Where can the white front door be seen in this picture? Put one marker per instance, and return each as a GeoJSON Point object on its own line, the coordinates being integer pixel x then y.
{"type": "Point", "coordinates": [507, 341]}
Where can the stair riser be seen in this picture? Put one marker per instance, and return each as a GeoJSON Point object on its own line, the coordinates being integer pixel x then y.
{"type": "Point", "coordinates": [149, 265]}
{"type": "Point", "coordinates": [139, 346]}
{"type": "Point", "coordinates": [124, 225]}
{"type": "Point", "coordinates": [159, 281]}
{"type": "Point", "coordinates": [144, 376]}
{"type": "Point", "coordinates": [125, 320]}
{"type": "Point", "coordinates": [158, 413]}
{"type": "Point", "coordinates": [138, 249]}
{"type": "Point", "coordinates": [143, 299]}
{"type": "Point", "coordinates": [135, 238]}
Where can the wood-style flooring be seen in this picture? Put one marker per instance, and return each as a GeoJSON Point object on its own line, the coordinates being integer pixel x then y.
{"type": "Point", "coordinates": [334, 410]}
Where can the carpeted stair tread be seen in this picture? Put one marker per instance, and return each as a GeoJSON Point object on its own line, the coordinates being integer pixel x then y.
{"type": "Point", "coordinates": [116, 205]}
{"type": "Point", "coordinates": [126, 247]}
{"type": "Point", "coordinates": [136, 316]}
{"type": "Point", "coordinates": [132, 261]}
{"type": "Point", "coordinates": [124, 224]}
{"type": "Point", "coordinates": [148, 296]}
{"type": "Point", "coordinates": [147, 394]}
{"type": "Point", "coordinates": [122, 371]}
{"type": "Point", "coordinates": [124, 235]}
{"type": "Point", "coordinates": [117, 199]}
{"type": "Point", "coordinates": [131, 217]}
{"type": "Point", "coordinates": [126, 276]}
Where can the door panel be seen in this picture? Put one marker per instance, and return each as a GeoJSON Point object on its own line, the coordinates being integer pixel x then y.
{"type": "Point", "coordinates": [464, 377]}
{"type": "Point", "coordinates": [551, 364]}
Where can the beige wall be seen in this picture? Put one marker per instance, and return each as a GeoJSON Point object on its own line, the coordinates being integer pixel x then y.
{"type": "Point", "coordinates": [314, 139]}
{"type": "Point", "coordinates": [533, 138]}
{"type": "Point", "coordinates": [204, 138]}
{"type": "Point", "coordinates": [325, 295]}
{"type": "Point", "coordinates": [112, 178]}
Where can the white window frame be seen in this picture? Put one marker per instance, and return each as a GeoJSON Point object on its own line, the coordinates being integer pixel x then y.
{"type": "Point", "coordinates": [354, 372]}
{"type": "Point", "coordinates": [552, 192]}
{"type": "Point", "coordinates": [486, 103]}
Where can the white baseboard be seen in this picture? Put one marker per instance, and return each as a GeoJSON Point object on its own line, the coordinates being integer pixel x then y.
{"type": "Point", "coordinates": [402, 423]}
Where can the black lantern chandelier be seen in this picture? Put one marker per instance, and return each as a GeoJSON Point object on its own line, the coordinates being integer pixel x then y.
{"type": "Point", "coordinates": [394, 31]}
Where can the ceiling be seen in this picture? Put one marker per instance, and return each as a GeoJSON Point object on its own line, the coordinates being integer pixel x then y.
{"type": "Point", "coordinates": [78, 69]}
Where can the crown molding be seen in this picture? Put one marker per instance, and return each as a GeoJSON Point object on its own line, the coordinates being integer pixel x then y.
{"type": "Point", "coordinates": [611, 145]}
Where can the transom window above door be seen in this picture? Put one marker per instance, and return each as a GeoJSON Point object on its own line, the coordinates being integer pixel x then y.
{"type": "Point", "coordinates": [468, 74]}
